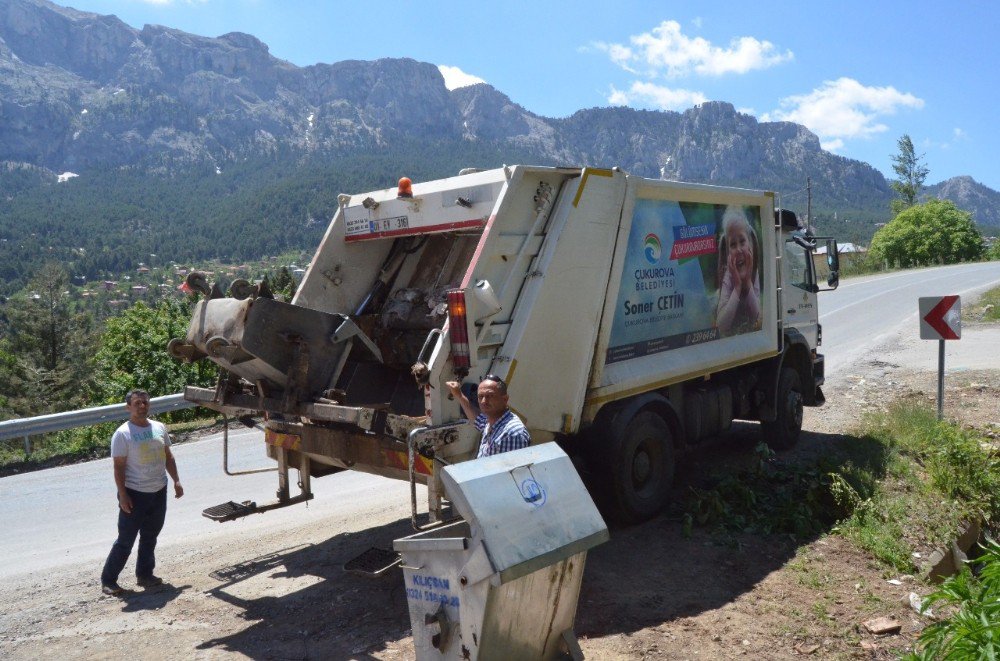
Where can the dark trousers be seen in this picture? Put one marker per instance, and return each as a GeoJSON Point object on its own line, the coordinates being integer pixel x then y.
{"type": "Point", "coordinates": [145, 521]}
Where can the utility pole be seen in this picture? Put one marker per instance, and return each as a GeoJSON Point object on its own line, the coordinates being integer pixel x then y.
{"type": "Point", "coordinates": [809, 203]}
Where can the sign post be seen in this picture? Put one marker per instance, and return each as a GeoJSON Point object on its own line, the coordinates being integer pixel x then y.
{"type": "Point", "coordinates": [940, 319]}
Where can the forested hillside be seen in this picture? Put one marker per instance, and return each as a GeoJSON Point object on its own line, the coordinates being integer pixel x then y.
{"type": "Point", "coordinates": [106, 222]}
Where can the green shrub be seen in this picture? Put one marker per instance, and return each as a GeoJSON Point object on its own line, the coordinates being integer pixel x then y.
{"type": "Point", "coordinates": [972, 629]}
{"type": "Point", "coordinates": [935, 232]}
{"type": "Point", "coordinates": [993, 252]}
{"type": "Point", "coordinates": [133, 354]}
{"type": "Point", "coordinates": [861, 264]}
{"type": "Point", "coordinates": [776, 497]}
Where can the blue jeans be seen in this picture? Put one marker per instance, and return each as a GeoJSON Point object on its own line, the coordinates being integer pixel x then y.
{"type": "Point", "coordinates": [145, 521]}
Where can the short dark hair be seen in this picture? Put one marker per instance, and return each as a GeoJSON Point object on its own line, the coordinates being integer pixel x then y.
{"type": "Point", "coordinates": [133, 393]}
{"type": "Point", "coordinates": [501, 386]}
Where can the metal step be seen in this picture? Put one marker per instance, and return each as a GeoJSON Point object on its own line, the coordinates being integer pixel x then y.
{"type": "Point", "coordinates": [230, 511]}
{"type": "Point", "coordinates": [374, 562]}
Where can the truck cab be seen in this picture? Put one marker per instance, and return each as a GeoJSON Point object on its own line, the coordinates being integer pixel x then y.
{"type": "Point", "coordinates": [801, 276]}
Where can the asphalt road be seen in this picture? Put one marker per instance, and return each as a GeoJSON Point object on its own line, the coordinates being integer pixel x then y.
{"type": "Point", "coordinates": [66, 515]}
{"type": "Point", "coordinates": [865, 312]}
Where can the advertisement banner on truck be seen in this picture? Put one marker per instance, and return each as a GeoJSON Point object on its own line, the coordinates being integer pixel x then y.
{"type": "Point", "coordinates": [692, 274]}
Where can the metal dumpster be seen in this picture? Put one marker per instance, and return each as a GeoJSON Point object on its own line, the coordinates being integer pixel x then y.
{"type": "Point", "coordinates": [503, 582]}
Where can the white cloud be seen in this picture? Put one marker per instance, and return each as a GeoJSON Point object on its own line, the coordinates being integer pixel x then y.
{"type": "Point", "coordinates": [455, 77]}
{"type": "Point", "coordinates": [656, 96]}
{"type": "Point", "coordinates": [843, 109]}
{"type": "Point", "coordinates": [957, 135]}
{"type": "Point", "coordinates": [668, 52]}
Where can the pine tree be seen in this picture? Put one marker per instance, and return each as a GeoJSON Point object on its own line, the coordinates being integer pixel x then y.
{"type": "Point", "coordinates": [51, 342]}
{"type": "Point", "coordinates": [911, 172]}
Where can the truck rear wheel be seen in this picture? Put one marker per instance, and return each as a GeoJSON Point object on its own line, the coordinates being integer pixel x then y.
{"type": "Point", "coordinates": [642, 469]}
{"type": "Point", "coordinates": [784, 431]}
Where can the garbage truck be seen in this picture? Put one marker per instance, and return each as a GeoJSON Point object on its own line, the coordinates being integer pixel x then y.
{"type": "Point", "coordinates": [630, 318]}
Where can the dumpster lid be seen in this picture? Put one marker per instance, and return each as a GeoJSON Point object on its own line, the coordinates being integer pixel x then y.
{"type": "Point", "coordinates": [529, 507]}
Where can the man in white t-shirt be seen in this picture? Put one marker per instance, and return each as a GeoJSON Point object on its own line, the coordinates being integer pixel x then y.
{"type": "Point", "coordinates": [140, 449]}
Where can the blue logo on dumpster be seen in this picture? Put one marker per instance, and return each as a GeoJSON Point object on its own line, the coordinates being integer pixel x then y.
{"type": "Point", "coordinates": [533, 493]}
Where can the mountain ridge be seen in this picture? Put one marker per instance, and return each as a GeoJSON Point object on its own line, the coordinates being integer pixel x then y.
{"type": "Point", "coordinates": [88, 94]}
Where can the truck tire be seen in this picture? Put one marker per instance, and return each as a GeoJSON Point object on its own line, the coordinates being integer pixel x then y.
{"type": "Point", "coordinates": [784, 431]}
{"type": "Point", "coordinates": [642, 468]}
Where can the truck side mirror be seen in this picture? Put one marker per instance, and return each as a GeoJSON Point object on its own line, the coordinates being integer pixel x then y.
{"type": "Point", "coordinates": [833, 262]}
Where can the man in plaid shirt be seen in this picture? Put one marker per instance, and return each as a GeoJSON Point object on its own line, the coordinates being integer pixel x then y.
{"type": "Point", "coordinates": [502, 430]}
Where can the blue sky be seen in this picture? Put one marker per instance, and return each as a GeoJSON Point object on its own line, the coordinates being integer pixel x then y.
{"type": "Point", "coordinates": [858, 74]}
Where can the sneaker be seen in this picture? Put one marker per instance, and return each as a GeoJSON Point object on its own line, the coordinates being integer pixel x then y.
{"type": "Point", "coordinates": [148, 581]}
{"type": "Point", "coordinates": [112, 589]}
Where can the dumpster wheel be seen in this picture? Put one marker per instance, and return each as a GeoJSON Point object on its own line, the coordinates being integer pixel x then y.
{"type": "Point", "coordinates": [642, 467]}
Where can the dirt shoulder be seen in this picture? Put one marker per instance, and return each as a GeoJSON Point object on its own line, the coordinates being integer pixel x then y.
{"type": "Point", "coordinates": [649, 592]}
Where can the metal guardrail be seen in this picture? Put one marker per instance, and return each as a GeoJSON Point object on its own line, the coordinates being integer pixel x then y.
{"type": "Point", "coordinates": [43, 424]}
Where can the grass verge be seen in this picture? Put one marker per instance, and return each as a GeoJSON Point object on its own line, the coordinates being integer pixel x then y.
{"type": "Point", "coordinates": [937, 476]}
{"type": "Point", "coordinates": [905, 482]}
{"type": "Point", "coordinates": [987, 307]}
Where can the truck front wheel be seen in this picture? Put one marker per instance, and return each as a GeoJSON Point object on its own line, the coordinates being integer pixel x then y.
{"type": "Point", "coordinates": [784, 431]}
{"type": "Point", "coordinates": [642, 468]}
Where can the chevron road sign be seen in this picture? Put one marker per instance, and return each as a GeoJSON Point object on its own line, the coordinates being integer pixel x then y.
{"type": "Point", "coordinates": [940, 317]}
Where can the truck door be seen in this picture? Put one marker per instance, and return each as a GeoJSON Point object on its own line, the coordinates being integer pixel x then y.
{"type": "Point", "coordinates": [798, 283]}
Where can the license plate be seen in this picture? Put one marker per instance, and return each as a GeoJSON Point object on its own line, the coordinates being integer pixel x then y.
{"type": "Point", "coordinates": [389, 224]}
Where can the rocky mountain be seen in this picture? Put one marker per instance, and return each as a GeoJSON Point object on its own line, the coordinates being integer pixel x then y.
{"type": "Point", "coordinates": [82, 91]}
{"type": "Point", "coordinates": [969, 194]}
